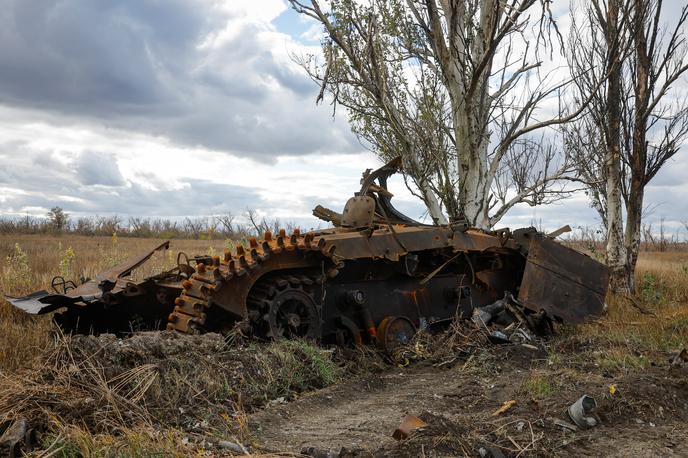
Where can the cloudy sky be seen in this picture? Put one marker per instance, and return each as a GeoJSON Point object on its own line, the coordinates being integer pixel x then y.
{"type": "Point", "coordinates": [191, 108]}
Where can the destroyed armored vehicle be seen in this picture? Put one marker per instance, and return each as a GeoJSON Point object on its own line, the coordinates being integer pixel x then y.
{"type": "Point", "coordinates": [376, 276]}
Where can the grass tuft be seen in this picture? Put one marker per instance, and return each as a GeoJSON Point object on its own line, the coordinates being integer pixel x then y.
{"type": "Point", "coordinates": [288, 367]}
{"type": "Point", "coordinates": [538, 386]}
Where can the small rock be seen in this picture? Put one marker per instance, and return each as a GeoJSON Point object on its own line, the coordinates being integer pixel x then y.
{"type": "Point", "coordinates": [318, 452]}
{"type": "Point", "coordinates": [233, 447]}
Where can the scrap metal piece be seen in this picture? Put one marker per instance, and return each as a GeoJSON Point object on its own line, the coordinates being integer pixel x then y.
{"type": "Point", "coordinates": [409, 424]}
{"type": "Point", "coordinates": [109, 281]}
{"type": "Point", "coordinates": [395, 332]}
{"type": "Point", "coordinates": [582, 412]}
{"type": "Point", "coordinates": [15, 438]}
{"type": "Point", "coordinates": [30, 304]}
{"type": "Point", "coordinates": [566, 284]}
{"type": "Point", "coordinates": [328, 215]}
{"type": "Point", "coordinates": [359, 211]}
{"type": "Point", "coordinates": [565, 425]}
{"type": "Point", "coordinates": [558, 232]}
{"type": "Point", "coordinates": [42, 302]}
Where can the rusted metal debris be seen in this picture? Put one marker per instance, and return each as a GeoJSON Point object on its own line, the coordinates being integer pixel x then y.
{"type": "Point", "coordinates": [376, 276]}
{"type": "Point", "coordinates": [506, 405]}
{"type": "Point", "coordinates": [409, 424]}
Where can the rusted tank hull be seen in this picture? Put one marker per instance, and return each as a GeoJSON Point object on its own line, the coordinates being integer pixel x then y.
{"type": "Point", "coordinates": [375, 271]}
{"type": "Point", "coordinates": [353, 286]}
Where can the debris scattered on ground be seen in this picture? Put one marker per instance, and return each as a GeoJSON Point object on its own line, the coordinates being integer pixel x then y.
{"type": "Point", "coordinates": [316, 452]}
{"type": "Point", "coordinates": [582, 412]}
{"type": "Point", "coordinates": [505, 407]}
{"type": "Point", "coordinates": [498, 337]}
{"type": "Point", "coordinates": [409, 424]}
{"type": "Point", "coordinates": [490, 452]}
{"type": "Point", "coordinates": [15, 438]}
{"type": "Point", "coordinates": [233, 447]}
{"type": "Point", "coordinates": [680, 359]}
{"type": "Point", "coordinates": [564, 424]}
{"type": "Point", "coordinates": [504, 323]}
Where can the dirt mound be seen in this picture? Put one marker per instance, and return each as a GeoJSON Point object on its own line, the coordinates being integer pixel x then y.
{"type": "Point", "coordinates": [194, 386]}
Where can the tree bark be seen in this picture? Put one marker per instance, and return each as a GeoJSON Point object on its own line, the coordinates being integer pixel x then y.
{"type": "Point", "coordinates": [433, 206]}
{"type": "Point", "coordinates": [638, 159]}
{"type": "Point", "coordinates": [633, 231]}
{"type": "Point", "coordinates": [616, 249]}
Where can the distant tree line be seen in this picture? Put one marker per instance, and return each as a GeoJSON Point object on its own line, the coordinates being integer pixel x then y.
{"type": "Point", "coordinates": [225, 226]}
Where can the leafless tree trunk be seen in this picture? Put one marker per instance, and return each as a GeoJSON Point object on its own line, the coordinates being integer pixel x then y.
{"type": "Point", "coordinates": [616, 255]}
{"type": "Point", "coordinates": [226, 222]}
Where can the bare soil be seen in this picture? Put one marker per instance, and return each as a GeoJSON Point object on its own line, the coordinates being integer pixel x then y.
{"type": "Point", "coordinates": [645, 417]}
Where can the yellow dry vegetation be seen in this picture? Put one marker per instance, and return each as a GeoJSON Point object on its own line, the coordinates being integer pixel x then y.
{"type": "Point", "coordinates": [29, 262]}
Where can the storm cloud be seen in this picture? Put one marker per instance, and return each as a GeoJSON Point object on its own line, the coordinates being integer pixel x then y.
{"type": "Point", "coordinates": [190, 70]}
{"type": "Point", "coordinates": [91, 183]}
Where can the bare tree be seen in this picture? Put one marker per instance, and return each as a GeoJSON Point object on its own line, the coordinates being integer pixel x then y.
{"type": "Point", "coordinates": [452, 86]}
{"type": "Point", "coordinates": [140, 227]}
{"type": "Point", "coordinates": [259, 227]}
{"type": "Point", "coordinates": [633, 126]}
{"type": "Point", "coordinates": [226, 222]}
{"type": "Point", "coordinates": [59, 220]}
{"type": "Point", "coordinates": [195, 227]}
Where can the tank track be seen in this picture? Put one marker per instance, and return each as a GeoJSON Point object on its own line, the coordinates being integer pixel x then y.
{"type": "Point", "coordinates": [191, 309]}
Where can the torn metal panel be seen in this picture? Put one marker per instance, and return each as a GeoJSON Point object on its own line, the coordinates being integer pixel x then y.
{"type": "Point", "coordinates": [109, 280]}
{"type": "Point", "coordinates": [31, 304]}
{"type": "Point", "coordinates": [566, 284]}
{"type": "Point", "coordinates": [112, 282]}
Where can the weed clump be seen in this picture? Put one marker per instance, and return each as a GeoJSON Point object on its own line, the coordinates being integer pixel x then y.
{"type": "Point", "coordinates": [16, 275]}
{"type": "Point", "coordinates": [538, 386]}
{"type": "Point", "coordinates": [67, 264]}
{"type": "Point", "coordinates": [286, 367]}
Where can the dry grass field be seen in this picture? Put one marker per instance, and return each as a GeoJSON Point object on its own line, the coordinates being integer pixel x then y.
{"type": "Point", "coordinates": [29, 262]}
{"type": "Point", "coordinates": [238, 387]}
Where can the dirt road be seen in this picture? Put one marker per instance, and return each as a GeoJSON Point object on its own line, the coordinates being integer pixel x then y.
{"type": "Point", "coordinates": [645, 417]}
